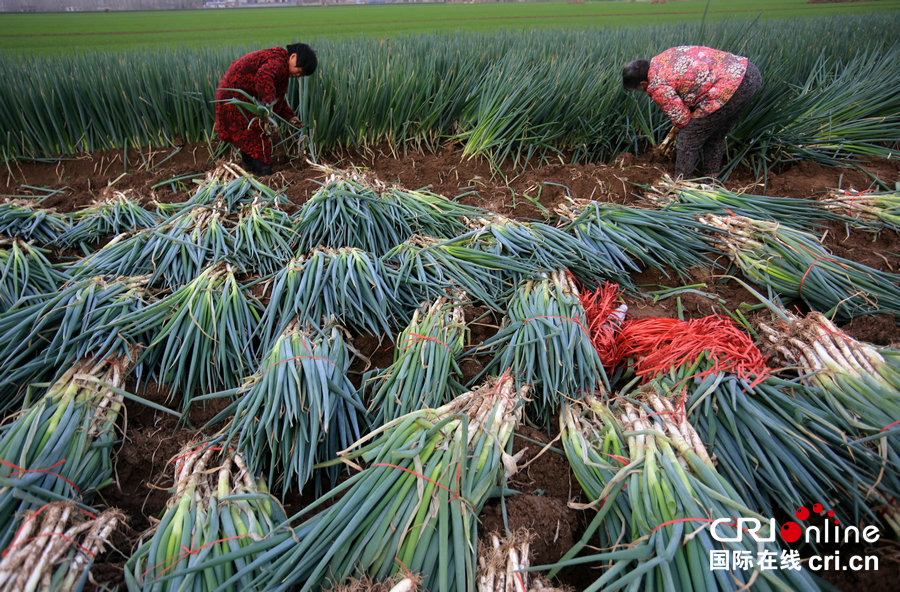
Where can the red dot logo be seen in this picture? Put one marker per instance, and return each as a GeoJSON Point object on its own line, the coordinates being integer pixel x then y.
{"type": "Point", "coordinates": [802, 513]}
{"type": "Point", "coordinates": [817, 508]}
{"type": "Point", "coordinates": [790, 532]}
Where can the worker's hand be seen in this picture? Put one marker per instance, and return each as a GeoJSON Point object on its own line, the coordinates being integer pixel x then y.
{"type": "Point", "coordinates": [295, 121]}
{"type": "Point", "coordinates": [667, 146]}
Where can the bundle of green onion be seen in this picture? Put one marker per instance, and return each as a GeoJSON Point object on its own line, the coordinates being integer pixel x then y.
{"type": "Point", "coordinates": [412, 508]}
{"type": "Point", "coordinates": [20, 219]}
{"type": "Point", "coordinates": [867, 209]}
{"type": "Point", "coordinates": [424, 366]}
{"type": "Point", "coordinates": [795, 264]}
{"type": "Point", "coordinates": [230, 188]}
{"type": "Point", "coordinates": [298, 409]}
{"type": "Point", "coordinates": [41, 335]}
{"type": "Point", "coordinates": [25, 271]}
{"type": "Point", "coordinates": [202, 334]}
{"type": "Point", "coordinates": [107, 217]}
{"type": "Point", "coordinates": [659, 489]}
{"type": "Point", "coordinates": [212, 520]}
{"type": "Point", "coordinates": [856, 384]}
{"type": "Point", "coordinates": [700, 198]}
{"type": "Point", "coordinates": [622, 235]}
{"type": "Point", "coordinates": [543, 248]}
{"type": "Point", "coordinates": [432, 214]}
{"type": "Point", "coordinates": [348, 212]}
{"type": "Point", "coordinates": [173, 253]}
{"type": "Point", "coordinates": [349, 285]}
{"type": "Point", "coordinates": [545, 342]}
{"type": "Point", "coordinates": [428, 268]}
{"type": "Point", "coordinates": [55, 547]}
{"type": "Point", "coordinates": [60, 447]}
{"type": "Point", "coordinates": [264, 238]}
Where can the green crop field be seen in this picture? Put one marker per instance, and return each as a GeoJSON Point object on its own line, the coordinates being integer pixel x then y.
{"type": "Point", "coordinates": [53, 33]}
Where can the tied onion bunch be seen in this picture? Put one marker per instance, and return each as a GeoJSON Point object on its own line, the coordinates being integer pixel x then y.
{"type": "Point", "coordinates": [424, 368]}
{"type": "Point", "coordinates": [216, 511]}
{"type": "Point", "coordinates": [656, 484]}
{"type": "Point", "coordinates": [795, 264]}
{"type": "Point", "coordinates": [60, 447]}
{"type": "Point", "coordinates": [83, 319]}
{"type": "Point", "coordinates": [543, 248]}
{"type": "Point", "coordinates": [544, 342]}
{"type": "Point", "coordinates": [113, 215]}
{"type": "Point", "coordinates": [229, 188]}
{"type": "Point", "coordinates": [412, 507]}
{"type": "Point", "coordinates": [298, 409]}
{"type": "Point", "coordinates": [855, 383]}
{"type": "Point", "coordinates": [264, 238]}
{"type": "Point", "coordinates": [347, 212]}
{"type": "Point", "coordinates": [24, 272]}
{"type": "Point", "coordinates": [874, 210]}
{"type": "Point", "coordinates": [201, 333]}
{"type": "Point", "coordinates": [172, 254]}
{"type": "Point", "coordinates": [428, 268]}
{"type": "Point", "coordinates": [697, 199]}
{"type": "Point", "coordinates": [625, 236]}
{"type": "Point", "coordinates": [55, 547]}
{"type": "Point", "coordinates": [349, 285]}
{"type": "Point", "coordinates": [21, 220]}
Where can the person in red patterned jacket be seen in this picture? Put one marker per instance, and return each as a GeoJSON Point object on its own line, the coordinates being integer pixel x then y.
{"type": "Point", "coordinates": [703, 91]}
{"type": "Point", "coordinates": [263, 75]}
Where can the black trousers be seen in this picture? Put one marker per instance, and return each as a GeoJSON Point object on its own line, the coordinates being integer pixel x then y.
{"type": "Point", "coordinates": [707, 134]}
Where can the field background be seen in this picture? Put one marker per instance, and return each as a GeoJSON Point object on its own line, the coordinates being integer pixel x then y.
{"type": "Point", "coordinates": [61, 32]}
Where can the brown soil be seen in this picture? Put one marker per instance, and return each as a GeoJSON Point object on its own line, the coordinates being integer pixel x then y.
{"type": "Point", "coordinates": [545, 484]}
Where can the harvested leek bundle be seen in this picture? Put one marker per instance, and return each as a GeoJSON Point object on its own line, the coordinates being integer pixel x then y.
{"type": "Point", "coordinates": [215, 511]}
{"type": "Point", "coordinates": [857, 385]}
{"type": "Point", "coordinates": [622, 235]}
{"type": "Point", "coordinates": [700, 198]}
{"type": "Point", "coordinates": [107, 217]}
{"type": "Point", "coordinates": [264, 238]}
{"type": "Point", "coordinates": [427, 268]}
{"type": "Point", "coordinates": [84, 319]}
{"type": "Point", "coordinates": [413, 507]}
{"type": "Point", "coordinates": [55, 546]}
{"type": "Point", "coordinates": [867, 209]}
{"type": "Point", "coordinates": [795, 264]}
{"type": "Point", "coordinates": [297, 410]}
{"type": "Point", "coordinates": [424, 366]}
{"type": "Point", "coordinates": [541, 247]}
{"type": "Point", "coordinates": [544, 342]}
{"type": "Point", "coordinates": [19, 219]}
{"type": "Point", "coordinates": [172, 254]}
{"type": "Point", "coordinates": [501, 565]}
{"type": "Point", "coordinates": [25, 271]}
{"type": "Point", "coordinates": [348, 285]}
{"type": "Point", "coordinates": [347, 212]}
{"type": "Point", "coordinates": [669, 493]}
{"type": "Point", "coordinates": [201, 333]}
{"type": "Point", "coordinates": [432, 214]}
{"type": "Point", "coordinates": [60, 448]}
{"type": "Point", "coordinates": [228, 187]}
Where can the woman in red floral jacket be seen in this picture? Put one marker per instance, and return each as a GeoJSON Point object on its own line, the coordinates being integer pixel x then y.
{"type": "Point", "coordinates": [703, 91]}
{"type": "Point", "coordinates": [263, 75]}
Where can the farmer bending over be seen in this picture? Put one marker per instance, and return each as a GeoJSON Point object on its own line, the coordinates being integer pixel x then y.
{"type": "Point", "coordinates": [703, 91]}
{"type": "Point", "coordinates": [263, 75]}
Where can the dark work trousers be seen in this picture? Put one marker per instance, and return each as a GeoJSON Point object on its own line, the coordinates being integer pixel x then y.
{"type": "Point", "coordinates": [708, 133]}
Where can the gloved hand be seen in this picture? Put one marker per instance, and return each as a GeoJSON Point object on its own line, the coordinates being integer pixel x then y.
{"type": "Point", "coordinates": [295, 121]}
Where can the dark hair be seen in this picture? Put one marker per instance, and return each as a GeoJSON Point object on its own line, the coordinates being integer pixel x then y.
{"type": "Point", "coordinates": [306, 57]}
{"type": "Point", "coordinates": [634, 73]}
